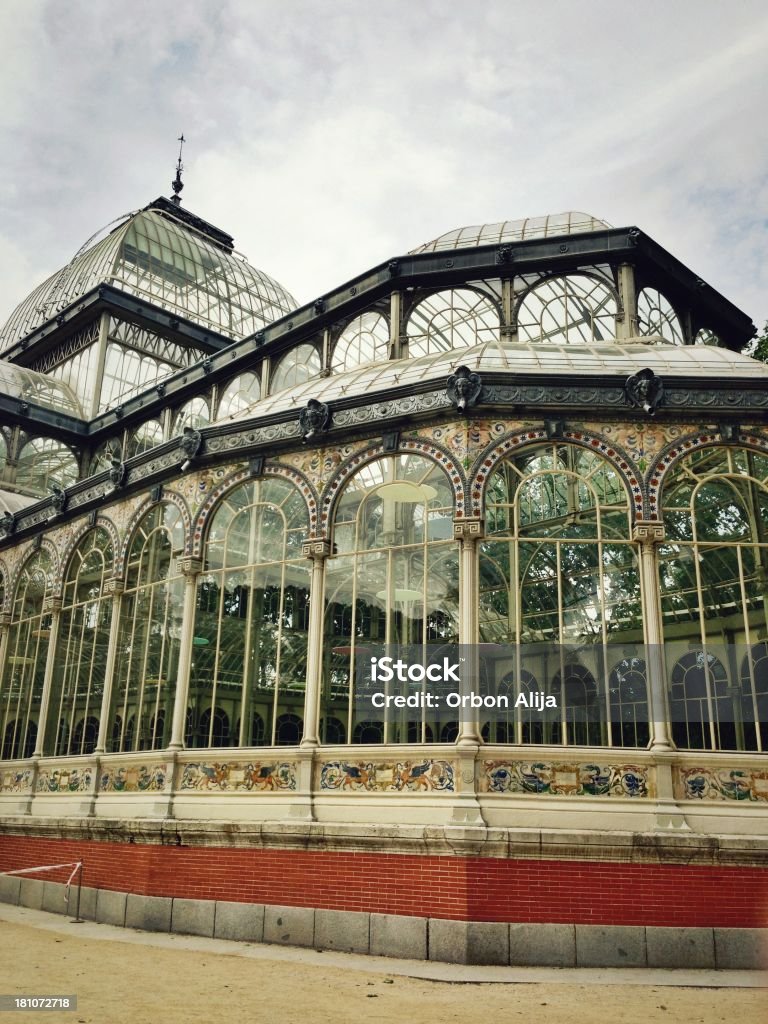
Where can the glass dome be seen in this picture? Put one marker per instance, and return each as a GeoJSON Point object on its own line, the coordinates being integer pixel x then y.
{"type": "Point", "coordinates": [161, 256]}
{"type": "Point", "coordinates": [570, 223]}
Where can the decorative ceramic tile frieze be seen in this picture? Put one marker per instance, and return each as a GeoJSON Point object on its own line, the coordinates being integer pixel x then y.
{"type": "Point", "coordinates": [743, 784]}
{"type": "Point", "coordinates": [238, 776]}
{"type": "Point", "coordinates": [65, 780]}
{"type": "Point", "coordinates": [393, 776]}
{"type": "Point", "coordinates": [555, 778]}
{"type": "Point", "coordinates": [134, 778]}
{"type": "Point", "coordinates": [16, 780]}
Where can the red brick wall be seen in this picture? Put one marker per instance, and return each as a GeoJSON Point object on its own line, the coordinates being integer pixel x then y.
{"type": "Point", "coordinates": [460, 888]}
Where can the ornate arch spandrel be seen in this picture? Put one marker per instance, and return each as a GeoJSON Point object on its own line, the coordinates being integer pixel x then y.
{"type": "Point", "coordinates": [407, 446]}
{"type": "Point", "coordinates": [498, 450]}
{"type": "Point", "coordinates": [167, 496]}
{"type": "Point", "coordinates": [672, 453]}
{"type": "Point", "coordinates": [208, 507]}
{"type": "Point", "coordinates": [82, 531]}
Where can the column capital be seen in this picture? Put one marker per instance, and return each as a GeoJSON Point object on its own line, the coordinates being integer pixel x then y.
{"type": "Point", "coordinates": [189, 566]}
{"type": "Point", "coordinates": [317, 549]}
{"type": "Point", "coordinates": [469, 528]}
{"type": "Point", "coordinates": [5, 620]}
{"type": "Point", "coordinates": [114, 587]}
{"type": "Point", "coordinates": [52, 604]}
{"type": "Point", "coordinates": [648, 532]}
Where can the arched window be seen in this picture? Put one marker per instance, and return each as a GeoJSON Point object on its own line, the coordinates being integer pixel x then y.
{"type": "Point", "coordinates": [392, 580]}
{"type": "Point", "coordinates": [712, 572]}
{"type": "Point", "coordinates": [288, 730]}
{"type": "Point", "coordinates": [214, 725]}
{"type": "Point", "coordinates": [150, 631]}
{"type": "Point", "coordinates": [559, 584]}
{"type": "Point", "coordinates": [332, 731]}
{"type": "Point", "coordinates": [574, 308]}
{"type": "Point", "coordinates": [144, 437]}
{"type": "Point", "coordinates": [656, 316]}
{"type": "Point", "coordinates": [240, 394]}
{"type": "Point", "coordinates": [515, 724]}
{"type": "Point", "coordinates": [458, 318]}
{"type": "Point", "coordinates": [101, 459]}
{"type": "Point", "coordinates": [42, 462]}
{"type": "Point", "coordinates": [364, 340]}
{"type": "Point", "coordinates": [86, 734]}
{"type": "Point", "coordinates": [628, 689]}
{"type": "Point", "coordinates": [81, 650]}
{"type": "Point", "coordinates": [297, 366]}
{"type": "Point", "coordinates": [249, 653]}
{"type": "Point", "coordinates": [195, 414]}
{"type": "Point", "coordinates": [21, 687]}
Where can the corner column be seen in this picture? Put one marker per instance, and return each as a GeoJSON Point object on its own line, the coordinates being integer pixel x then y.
{"type": "Point", "coordinates": [115, 587]}
{"type": "Point", "coordinates": [627, 321]}
{"type": "Point", "coordinates": [468, 532]}
{"type": "Point", "coordinates": [668, 814]}
{"type": "Point", "coordinates": [190, 569]}
{"type": "Point", "coordinates": [318, 551]}
{"type": "Point", "coordinates": [52, 606]}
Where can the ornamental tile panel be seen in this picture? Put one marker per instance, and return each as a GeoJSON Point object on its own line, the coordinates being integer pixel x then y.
{"type": "Point", "coordinates": [555, 778]}
{"type": "Point", "coordinates": [65, 780]}
{"type": "Point", "coordinates": [135, 778]}
{"type": "Point", "coordinates": [238, 776]}
{"type": "Point", "coordinates": [427, 776]}
{"type": "Point", "coordinates": [16, 780]}
{"type": "Point", "coordinates": [747, 785]}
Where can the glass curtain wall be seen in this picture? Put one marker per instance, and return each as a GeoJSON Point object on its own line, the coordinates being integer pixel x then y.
{"type": "Point", "coordinates": [30, 633]}
{"type": "Point", "coordinates": [81, 649]}
{"type": "Point", "coordinates": [560, 603]}
{"type": "Point", "coordinates": [713, 575]}
{"type": "Point", "coordinates": [394, 579]}
{"type": "Point", "coordinates": [150, 633]}
{"type": "Point", "coordinates": [249, 658]}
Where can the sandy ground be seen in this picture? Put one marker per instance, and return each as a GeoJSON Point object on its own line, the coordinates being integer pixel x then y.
{"type": "Point", "coordinates": [133, 981]}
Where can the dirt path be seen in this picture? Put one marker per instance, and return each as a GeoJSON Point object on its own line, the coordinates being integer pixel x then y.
{"type": "Point", "coordinates": [128, 983]}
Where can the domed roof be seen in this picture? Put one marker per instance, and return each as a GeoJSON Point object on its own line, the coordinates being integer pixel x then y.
{"type": "Point", "coordinates": [171, 258]}
{"type": "Point", "coordinates": [570, 223]}
{"type": "Point", "coordinates": [616, 359]}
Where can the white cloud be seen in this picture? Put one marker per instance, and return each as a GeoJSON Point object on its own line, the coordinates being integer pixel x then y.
{"type": "Point", "coordinates": [327, 135]}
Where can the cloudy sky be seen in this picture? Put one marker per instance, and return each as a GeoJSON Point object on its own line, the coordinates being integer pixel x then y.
{"type": "Point", "coordinates": [328, 135]}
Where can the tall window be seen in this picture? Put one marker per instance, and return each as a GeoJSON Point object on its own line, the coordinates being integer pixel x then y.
{"type": "Point", "coordinates": [42, 462]}
{"type": "Point", "coordinates": [560, 596]}
{"type": "Point", "coordinates": [150, 632]}
{"type": "Point", "coordinates": [81, 649]}
{"type": "Point", "coordinates": [30, 633]}
{"type": "Point", "coordinates": [656, 316]}
{"type": "Point", "coordinates": [393, 580]}
{"type": "Point", "coordinates": [297, 366]}
{"type": "Point", "coordinates": [456, 318]}
{"type": "Point", "coordinates": [249, 657]}
{"type": "Point", "coordinates": [364, 340]}
{"type": "Point", "coordinates": [568, 309]}
{"type": "Point", "coordinates": [714, 596]}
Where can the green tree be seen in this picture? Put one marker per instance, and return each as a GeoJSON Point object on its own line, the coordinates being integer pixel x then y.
{"type": "Point", "coordinates": [760, 350]}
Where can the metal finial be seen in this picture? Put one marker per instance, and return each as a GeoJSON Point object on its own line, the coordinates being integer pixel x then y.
{"type": "Point", "coordinates": [177, 184]}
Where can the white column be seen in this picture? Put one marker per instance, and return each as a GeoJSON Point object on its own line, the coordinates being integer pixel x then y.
{"type": "Point", "coordinates": [648, 535]}
{"type": "Point", "coordinates": [114, 587]}
{"type": "Point", "coordinates": [395, 313]}
{"type": "Point", "coordinates": [191, 569]}
{"type": "Point", "coordinates": [468, 532]}
{"type": "Point", "coordinates": [318, 551]}
{"type": "Point", "coordinates": [626, 322]}
{"type": "Point", "coordinates": [101, 358]}
{"type": "Point", "coordinates": [53, 605]}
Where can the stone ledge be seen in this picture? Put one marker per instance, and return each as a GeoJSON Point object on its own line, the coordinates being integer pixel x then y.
{"type": "Point", "coordinates": [415, 938]}
{"type": "Point", "coordinates": [426, 840]}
